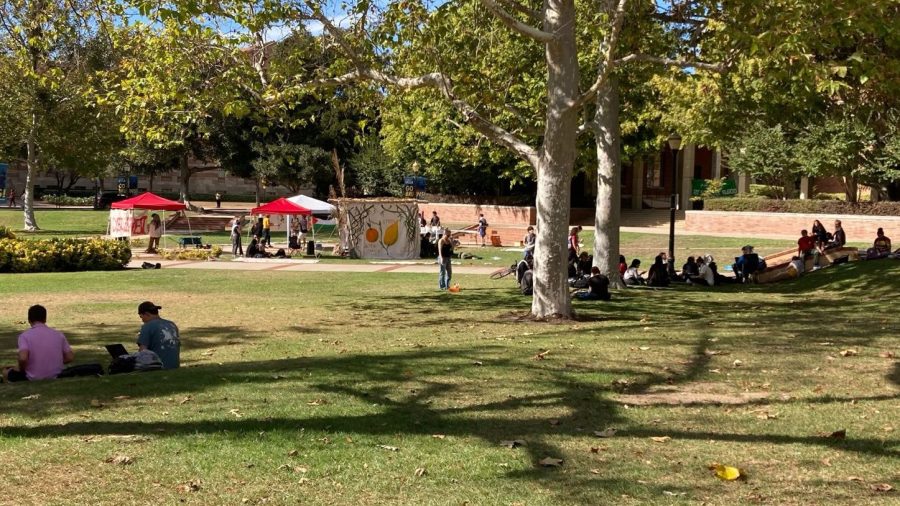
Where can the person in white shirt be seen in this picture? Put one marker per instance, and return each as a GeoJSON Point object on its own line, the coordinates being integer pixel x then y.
{"type": "Point", "coordinates": [632, 277]}
{"type": "Point", "coordinates": [706, 276]}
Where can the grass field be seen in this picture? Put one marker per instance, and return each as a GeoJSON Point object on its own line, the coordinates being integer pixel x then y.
{"type": "Point", "coordinates": [378, 389]}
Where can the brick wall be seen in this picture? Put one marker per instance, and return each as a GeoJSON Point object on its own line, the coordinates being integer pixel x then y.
{"type": "Point", "coordinates": [857, 227]}
{"type": "Point", "coordinates": [468, 214]}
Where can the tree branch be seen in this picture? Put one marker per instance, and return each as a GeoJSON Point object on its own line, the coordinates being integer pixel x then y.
{"type": "Point", "coordinates": [510, 21]}
{"type": "Point", "coordinates": [444, 85]}
{"type": "Point", "coordinates": [516, 6]}
{"type": "Point", "coordinates": [607, 50]}
{"type": "Point", "coordinates": [712, 67]}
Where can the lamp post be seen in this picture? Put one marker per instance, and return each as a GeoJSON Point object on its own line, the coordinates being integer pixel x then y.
{"type": "Point", "coordinates": [674, 145]}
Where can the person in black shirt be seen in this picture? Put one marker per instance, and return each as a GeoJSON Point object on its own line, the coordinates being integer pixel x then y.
{"type": "Point", "coordinates": [598, 287]}
{"type": "Point", "coordinates": [445, 254]}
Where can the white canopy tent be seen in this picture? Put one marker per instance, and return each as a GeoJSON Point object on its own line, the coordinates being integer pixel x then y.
{"type": "Point", "coordinates": [319, 208]}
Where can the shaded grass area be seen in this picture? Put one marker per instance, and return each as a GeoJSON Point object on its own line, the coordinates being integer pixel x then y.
{"type": "Point", "coordinates": [298, 387]}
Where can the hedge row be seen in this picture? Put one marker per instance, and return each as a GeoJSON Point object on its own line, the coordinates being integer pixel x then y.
{"type": "Point", "coordinates": [63, 255]}
{"type": "Point", "coordinates": [66, 200]}
{"type": "Point", "coordinates": [802, 206]}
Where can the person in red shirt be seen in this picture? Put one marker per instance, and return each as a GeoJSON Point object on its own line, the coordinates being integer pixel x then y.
{"type": "Point", "coordinates": [805, 245]}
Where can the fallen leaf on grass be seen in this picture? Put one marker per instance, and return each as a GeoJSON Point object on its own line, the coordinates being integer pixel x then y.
{"type": "Point", "coordinates": [838, 434]}
{"type": "Point", "coordinates": [420, 471]}
{"type": "Point", "coordinates": [605, 432]}
{"type": "Point", "coordinates": [31, 397]}
{"type": "Point", "coordinates": [438, 436]}
{"type": "Point", "coordinates": [541, 355]}
{"type": "Point", "coordinates": [886, 354]}
{"type": "Point", "coordinates": [119, 460]}
{"type": "Point", "coordinates": [513, 443]}
{"type": "Point", "coordinates": [644, 348]}
{"type": "Point", "coordinates": [826, 462]}
{"type": "Point", "coordinates": [849, 353]}
{"type": "Point", "coordinates": [710, 353]}
{"type": "Point", "coordinates": [293, 453]}
{"type": "Point", "coordinates": [661, 439]}
{"type": "Point", "coordinates": [95, 403]}
{"type": "Point", "coordinates": [554, 422]}
{"type": "Point", "coordinates": [478, 362]}
{"type": "Point", "coordinates": [673, 494]}
{"type": "Point", "coordinates": [726, 472]}
{"type": "Point", "coordinates": [881, 487]}
{"type": "Point", "coordinates": [550, 462]}
{"type": "Point", "coordinates": [854, 478]}
{"type": "Point", "coordinates": [208, 353]}
{"type": "Point", "coordinates": [121, 398]}
{"type": "Point", "coordinates": [317, 402]}
{"type": "Point", "coordinates": [595, 471]}
{"type": "Point", "coordinates": [389, 448]}
{"type": "Point", "coordinates": [185, 400]}
{"type": "Point", "coordinates": [737, 363]}
{"type": "Point", "coordinates": [236, 412]}
{"type": "Point", "coordinates": [191, 486]}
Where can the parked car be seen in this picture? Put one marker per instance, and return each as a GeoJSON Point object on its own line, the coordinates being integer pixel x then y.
{"type": "Point", "coordinates": [103, 199]}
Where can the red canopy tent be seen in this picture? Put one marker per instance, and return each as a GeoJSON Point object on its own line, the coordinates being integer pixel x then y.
{"type": "Point", "coordinates": [283, 206]}
{"type": "Point", "coordinates": [148, 201]}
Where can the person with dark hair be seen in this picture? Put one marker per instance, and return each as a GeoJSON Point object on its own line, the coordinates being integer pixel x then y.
{"type": "Point", "coordinates": [689, 269]}
{"type": "Point", "coordinates": [838, 239]}
{"type": "Point", "coordinates": [573, 244]}
{"type": "Point", "coordinates": [445, 255]}
{"type": "Point", "coordinates": [623, 265]}
{"type": "Point", "coordinates": [524, 265]}
{"type": "Point", "coordinates": [155, 232]}
{"type": "Point", "coordinates": [632, 276]}
{"type": "Point", "coordinates": [658, 274]}
{"type": "Point", "coordinates": [583, 266]}
{"type": "Point", "coordinates": [706, 275]}
{"type": "Point", "coordinates": [482, 228]}
{"type": "Point", "coordinates": [881, 247]}
{"type": "Point", "coordinates": [236, 248]}
{"type": "Point", "coordinates": [819, 233]}
{"type": "Point", "coordinates": [42, 350]}
{"type": "Point", "coordinates": [529, 241]}
{"type": "Point", "coordinates": [267, 231]}
{"type": "Point", "coordinates": [159, 336]}
{"type": "Point", "coordinates": [598, 286]}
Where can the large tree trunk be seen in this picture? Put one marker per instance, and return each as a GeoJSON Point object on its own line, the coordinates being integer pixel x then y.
{"type": "Point", "coordinates": [30, 174]}
{"type": "Point", "coordinates": [606, 218]}
{"type": "Point", "coordinates": [185, 181]}
{"type": "Point", "coordinates": [851, 188]}
{"type": "Point", "coordinates": [557, 159]}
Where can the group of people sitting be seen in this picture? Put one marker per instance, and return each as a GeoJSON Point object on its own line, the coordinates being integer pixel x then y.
{"type": "Point", "coordinates": [43, 351]}
{"type": "Point", "coordinates": [257, 249]}
{"type": "Point", "coordinates": [700, 270]}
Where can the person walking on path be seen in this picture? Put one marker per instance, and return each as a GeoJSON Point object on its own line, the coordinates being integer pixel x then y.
{"type": "Point", "coordinates": [482, 228]}
{"type": "Point", "coordinates": [11, 194]}
{"type": "Point", "coordinates": [218, 200]}
{"type": "Point", "coordinates": [445, 254]}
{"type": "Point", "coordinates": [236, 248]}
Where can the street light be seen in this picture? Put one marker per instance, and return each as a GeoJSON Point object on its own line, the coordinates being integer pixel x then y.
{"type": "Point", "coordinates": [674, 145]}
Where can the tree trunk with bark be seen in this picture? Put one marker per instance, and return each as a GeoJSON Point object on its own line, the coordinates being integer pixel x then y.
{"type": "Point", "coordinates": [185, 181]}
{"type": "Point", "coordinates": [557, 159]}
{"type": "Point", "coordinates": [31, 172]}
{"type": "Point", "coordinates": [606, 219]}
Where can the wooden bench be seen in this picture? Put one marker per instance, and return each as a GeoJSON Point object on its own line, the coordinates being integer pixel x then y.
{"type": "Point", "coordinates": [777, 263]}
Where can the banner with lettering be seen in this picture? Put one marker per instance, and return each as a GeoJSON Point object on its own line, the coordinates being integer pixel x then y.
{"type": "Point", "coordinates": [128, 222]}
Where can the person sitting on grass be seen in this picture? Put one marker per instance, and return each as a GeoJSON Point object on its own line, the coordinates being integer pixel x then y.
{"type": "Point", "coordinates": [689, 269]}
{"type": "Point", "coordinates": [705, 277]}
{"type": "Point", "coordinates": [623, 265]}
{"type": "Point", "coordinates": [42, 350]}
{"type": "Point", "coordinates": [746, 265]}
{"type": "Point", "coordinates": [632, 276]}
{"type": "Point", "coordinates": [658, 275]}
{"type": "Point", "coordinates": [583, 266]}
{"type": "Point", "coordinates": [881, 247]}
{"type": "Point", "coordinates": [598, 287]}
{"type": "Point", "coordinates": [838, 239]}
{"type": "Point", "coordinates": [527, 283]}
{"type": "Point", "coordinates": [524, 265]}
{"type": "Point", "coordinates": [159, 336]}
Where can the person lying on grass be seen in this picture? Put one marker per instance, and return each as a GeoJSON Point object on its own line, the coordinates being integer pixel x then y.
{"type": "Point", "coordinates": [42, 350]}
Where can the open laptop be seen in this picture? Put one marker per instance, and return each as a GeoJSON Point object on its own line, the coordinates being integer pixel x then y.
{"type": "Point", "coordinates": [116, 350]}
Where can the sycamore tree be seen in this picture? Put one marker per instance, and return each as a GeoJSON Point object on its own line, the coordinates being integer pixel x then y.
{"type": "Point", "coordinates": [43, 76]}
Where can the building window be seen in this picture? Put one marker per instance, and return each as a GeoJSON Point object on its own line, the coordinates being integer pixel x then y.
{"type": "Point", "coordinates": [654, 171]}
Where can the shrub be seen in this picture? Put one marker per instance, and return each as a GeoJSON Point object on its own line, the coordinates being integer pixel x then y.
{"type": "Point", "coordinates": [63, 255]}
{"type": "Point", "coordinates": [6, 233]}
{"type": "Point", "coordinates": [766, 191]}
{"type": "Point", "coordinates": [65, 200]}
{"type": "Point", "coordinates": [803, 206]}
{"type": "Point", "coordinates": [191, 254]}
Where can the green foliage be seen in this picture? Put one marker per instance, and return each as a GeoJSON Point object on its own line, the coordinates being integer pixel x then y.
{"type": "Point", "coordinates": [294, 166]}
{"type": "Point", "coordinates": [191, 254]}
{"type": "Point", "coordinates": [374, 173]}
{"type": "Point", "coordinates": [766, 191]}
{"type": "Point", "coordinates": [63, 255]}
{"type": "Point", "coordinates": [764, 152]}
{"type": "Point", "coordinates": [802, 206]}
{"type": "Point", "coordinates": [6, 233]}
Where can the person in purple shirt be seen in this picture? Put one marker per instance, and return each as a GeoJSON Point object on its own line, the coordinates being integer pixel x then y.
{"type": "Point", "coordinates": [42, 350]}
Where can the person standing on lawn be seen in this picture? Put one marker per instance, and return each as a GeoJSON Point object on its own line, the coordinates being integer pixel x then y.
{"type": "Point", "coordinates": [236, 248]}
{"type": "Point", "coordinates": [155, 231]}
{"type": "Point", "coordinates": [159, 336]}
{"type": "Point", "coordinates": [482, 228]}
{"type": "Point", "coordinates": [267, 231]}
{"type": "Point", "coordinates": [42, 350]}
{"type": "Point", "coordinates": [445, 254]}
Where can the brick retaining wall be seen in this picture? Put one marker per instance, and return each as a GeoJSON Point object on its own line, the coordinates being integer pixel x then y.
{"type": "Point", "coordinates": [859, 228]}
{"type": "Point", "coordinates": [468, 213]}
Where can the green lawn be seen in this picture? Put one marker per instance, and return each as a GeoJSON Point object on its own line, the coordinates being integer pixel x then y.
{"type": "Point", "coordinates": [337, 388]}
